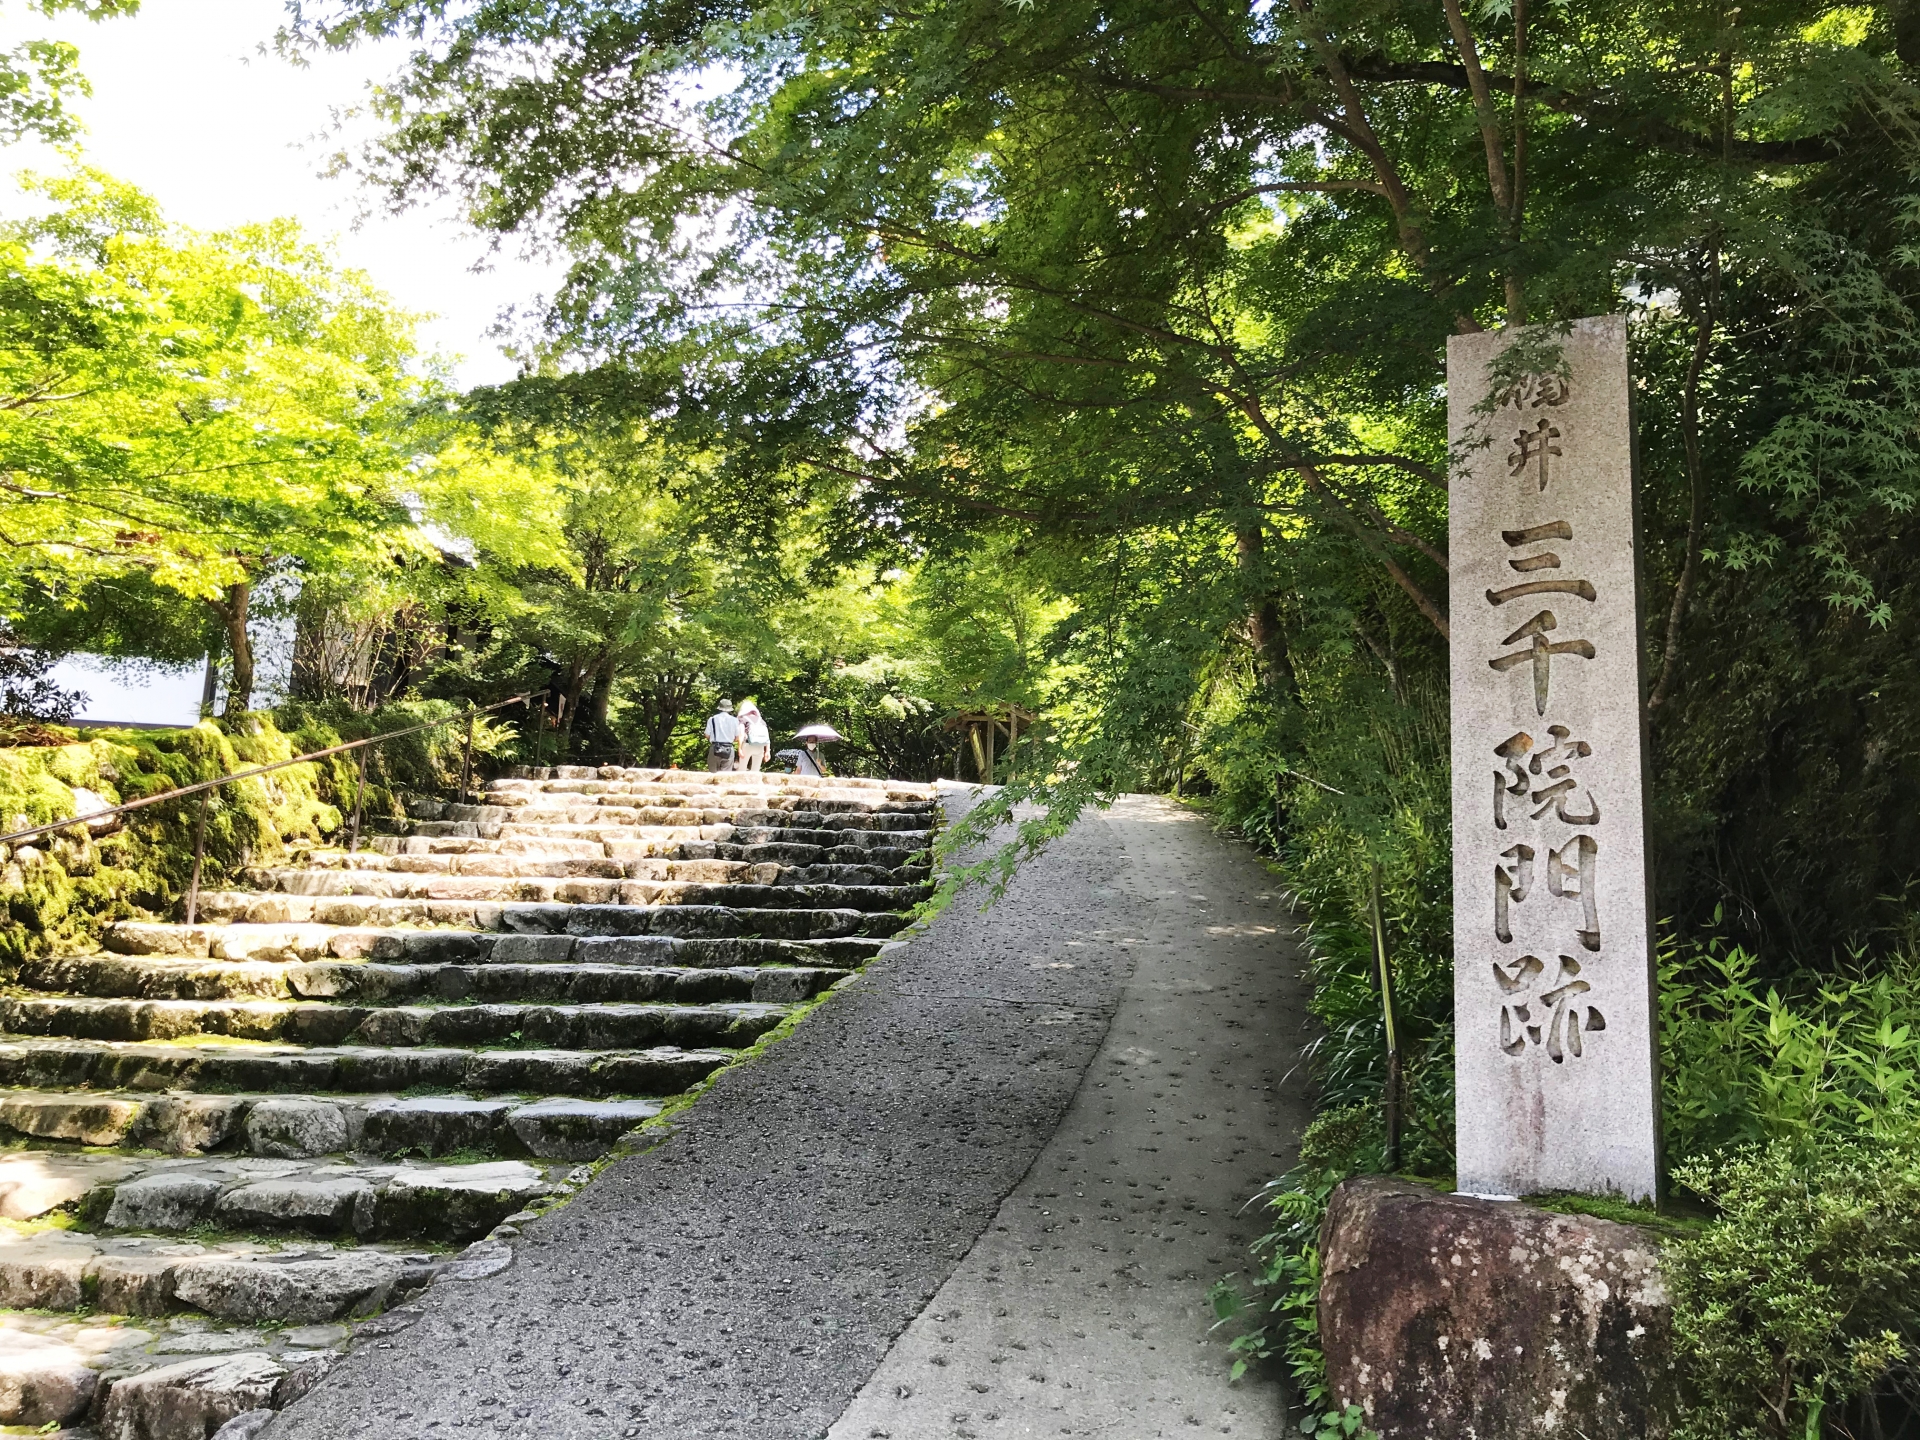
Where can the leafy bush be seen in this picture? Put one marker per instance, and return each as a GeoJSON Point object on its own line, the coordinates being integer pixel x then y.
{"type": "Point", "coordinates": [1794, 1112]}
{"type": "Point", "coordinates": [426, 763]}
{"type": "Point", "coordinates": [1802, 1296]}
{"type": "Point", "coordinates": [1838, 1055]}
{"type": "Point", "coordinates": [1378, 802]}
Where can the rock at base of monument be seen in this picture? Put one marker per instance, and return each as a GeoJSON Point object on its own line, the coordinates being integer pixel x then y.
{"type": "Point", "coordinates": [1445, 1316]}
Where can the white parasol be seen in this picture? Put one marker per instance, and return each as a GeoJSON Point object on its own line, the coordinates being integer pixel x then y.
{"type": "Point", "coordinates": [817, 731]}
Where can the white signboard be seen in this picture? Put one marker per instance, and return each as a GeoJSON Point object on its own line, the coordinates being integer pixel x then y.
{"type": "Point", "coordinates": [1553, 967]}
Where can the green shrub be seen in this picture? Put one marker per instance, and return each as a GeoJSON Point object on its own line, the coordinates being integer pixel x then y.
{"type": "Point", "coordinates": [426, 763]}
{"type": "Point", "coordinates": [1837, 1055]}
{"type": "Point", "coordinates": [1802, 1295]}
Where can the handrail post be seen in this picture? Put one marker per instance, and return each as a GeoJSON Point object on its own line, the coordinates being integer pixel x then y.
{"type": "Point", "coordinates": [466, 763]}
{"type": "Point", "coordinates": [359, 796]}
{"type": "Point", "coordinates": [199, 857]}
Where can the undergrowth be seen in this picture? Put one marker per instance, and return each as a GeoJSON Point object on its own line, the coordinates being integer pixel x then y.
{"type": "Point", "coordinates": [1792, 1238]}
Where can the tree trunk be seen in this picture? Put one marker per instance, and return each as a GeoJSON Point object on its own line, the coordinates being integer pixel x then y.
{"type": "Point", "coordinates": [1271, 660]}
{"type": "Point", "coordinates": [602, 695]}
{"type": "Point", "coordinates": [662, 702]}
{"type": "Point", "coordinates": [233, 618]}
{"type": "Point", "coordinates": [210, 687]}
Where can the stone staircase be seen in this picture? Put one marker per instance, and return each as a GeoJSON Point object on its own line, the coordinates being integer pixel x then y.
{"type": "Point", "coordinates": [287, 1113]}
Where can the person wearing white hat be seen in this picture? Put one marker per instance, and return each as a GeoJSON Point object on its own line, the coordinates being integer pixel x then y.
{"type": "Point", "coordinates": [722, 731]}
{"type": "Point", "coordinates": [755, 741]}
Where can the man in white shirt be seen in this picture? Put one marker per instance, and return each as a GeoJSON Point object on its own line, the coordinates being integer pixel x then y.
{"type": "Point", "coordinates": [722, 731]}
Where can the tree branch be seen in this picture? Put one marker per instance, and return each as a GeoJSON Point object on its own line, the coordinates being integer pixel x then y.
{"type": "Point", "coordinates": [1413, 236]}
{"type": "Point", "coordinates": [1696, 483]}
{"type": "Point", "coordinates": [1421, 600]}
{"type": "Point", "coordinates": [1491, 138]}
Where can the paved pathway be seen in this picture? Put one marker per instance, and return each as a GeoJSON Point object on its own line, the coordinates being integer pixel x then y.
{"type": "Point", "coordinates": [979, 1193]}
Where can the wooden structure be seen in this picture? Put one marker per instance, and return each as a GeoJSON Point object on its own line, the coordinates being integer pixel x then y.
{"type": "Point", "coordinates": [984, 728]}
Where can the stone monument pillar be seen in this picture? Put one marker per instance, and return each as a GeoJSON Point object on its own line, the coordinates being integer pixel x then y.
{"type": "Point", "coordinates": [1553, 962]}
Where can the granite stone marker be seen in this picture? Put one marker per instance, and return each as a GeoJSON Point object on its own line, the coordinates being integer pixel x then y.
{"type": "Point", "coordinates": [1553, 974]}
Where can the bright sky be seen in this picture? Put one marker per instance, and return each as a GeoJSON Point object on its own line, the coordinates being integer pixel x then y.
{"type": "Point", "coordinates": [185, 107]}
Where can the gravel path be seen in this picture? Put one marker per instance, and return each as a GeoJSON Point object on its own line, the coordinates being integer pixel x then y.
{"type": "Point", "coordinates": [1043, 1119]}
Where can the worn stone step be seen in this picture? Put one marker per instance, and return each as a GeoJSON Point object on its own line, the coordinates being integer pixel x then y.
{"type": "Point", "coordinates": [59, 1370]}
{"type": "Point", "coordinates": [325, 884]}
{"type": "Point", "coordinates": [778, 784]}
{"type": "Point", "coordinates": [472, 845]}
{"type": "Point", "coordinates": [296, 1127]}
{"type": "Point", "coordinates": [70, 1272]}
{"type": "Point", "coordinates": [249, 1194]}
{"type": "Point", "coordinates": [239, 1068]}
{"type": "Point", "coordinates": [697, 881]}
{"type": "Point", "coordinates": [911, 840]}
{"type": "Point", "coordinates": [792, 856]}
{"type": "Point", "coordinates": [163, 974]}
{"type": "Point", "coordinates": [848, 874]}
{"type": "Point", "coordinates": [533, 808]}
{"type": "Point", "coordinates": [619, 1026]}
{"type": "Point", "coordinates": [113, 976]}
{"type": "Point", "coordinates": [341, 933]}
{"type": "Point", "coordinates": [919, 819]}
{"type": "Point", "coordinates": [700, 921]}
{"type": "Point", "coordinates": [532, 946]}
{"type": "Point", "coordinates": [530, 809]}
{"type": "Point", "coordinates": [376, 929]}
{"type": "Point", "coordinates": [855, 808]}
{"type": "Point", "coordinates": [750, 898]}
{"type": "Point", "coordinates": [369, 1202]}
{"type": "Point", "coordinates": [324, 873]}
{"type": "Point", "coordinates": [566, 982]}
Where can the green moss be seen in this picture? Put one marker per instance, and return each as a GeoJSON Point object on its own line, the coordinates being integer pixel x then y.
{"type": "Point", "coordinates": [59, 891]}
{"type": "Point", "coordinates": [1671, 1222]}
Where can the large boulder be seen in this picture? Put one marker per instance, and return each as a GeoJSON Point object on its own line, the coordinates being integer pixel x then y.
{"type": "Point", "coordinates": [1445, 1316]}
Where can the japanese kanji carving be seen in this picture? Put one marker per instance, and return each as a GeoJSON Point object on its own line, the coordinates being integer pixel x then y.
{"type": "Point", "coordinates": [1551, 770]}
{"type": "Point", "coordinates": [1570, 877]}
{"type": "Point", "coordinates": [1512, 879]}
{"type": "Point", "coordinates": [1562, 789]}
{"type": "Point", "coordinates": [1511, 778]}
{"type": "Point", "coordinates": [1547, 560]}
{"type": "Point", "coordinates": [1530, 392]}
{"type": "Point", "coordinates": [1534, 446]}
{"type": "Point", "coordinates": [1559, 1018]}
{"type": "Point", "coordinates": [1541, 652]}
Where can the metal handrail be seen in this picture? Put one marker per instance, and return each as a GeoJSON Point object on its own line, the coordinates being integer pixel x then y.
{"type": "Point", "coordinates": [201, 787]}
